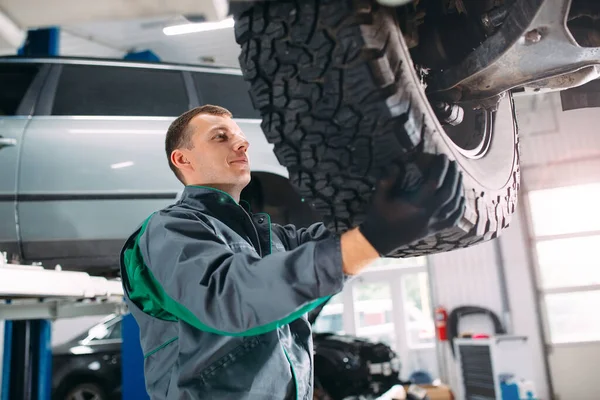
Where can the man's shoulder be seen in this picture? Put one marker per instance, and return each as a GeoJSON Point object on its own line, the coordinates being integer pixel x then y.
{"type": "Point", "coordinates": [175, 217]}
{"type": "Point", "coordinates": [176, 213]}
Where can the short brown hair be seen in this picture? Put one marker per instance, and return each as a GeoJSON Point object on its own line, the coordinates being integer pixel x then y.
{"type": "Point", "coordinates": [179, 136]}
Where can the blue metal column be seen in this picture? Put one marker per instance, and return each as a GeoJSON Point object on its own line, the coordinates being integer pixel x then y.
{"type": "Point", "coordinates": [27, 363]}
{"type": "Point", "coordinates": [41, 43]}
{"type": "Point", "coordinates": [132, 364]}
{"type": "Point", "coordinates": [44, 359]}
{"type": "Point", "coordinates": [145, 55]}
{"type": "Point", "coordinates": [6, 360]}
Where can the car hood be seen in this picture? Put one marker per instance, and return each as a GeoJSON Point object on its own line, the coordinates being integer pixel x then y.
{"type": "Point", "coordinates": [60, 349]}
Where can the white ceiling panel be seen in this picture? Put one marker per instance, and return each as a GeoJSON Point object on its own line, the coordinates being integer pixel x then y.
{"type": "Point", "coordinates": [73, 45]}
{"type": "Point", "coordinates": [195, 48]}
{"type": "Point", "coordinates": [147, 34]}
{"type": "Point", "coordinates": [42, 13]}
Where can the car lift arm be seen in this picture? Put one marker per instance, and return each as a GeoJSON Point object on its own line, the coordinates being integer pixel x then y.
{"type": "Point", "coordinates": [32, 297]}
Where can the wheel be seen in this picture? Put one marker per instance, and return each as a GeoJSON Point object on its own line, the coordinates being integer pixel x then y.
{"type": "Point", "coordinates": [86, 391]}
{"type": "Point", "coordinates": [341, 100]}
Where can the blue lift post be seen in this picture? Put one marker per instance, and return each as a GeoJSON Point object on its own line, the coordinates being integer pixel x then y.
{"type": "Point", "coordinates": [6, 357]}
{"type": "Point", "coordinates": [132, 361]}
{"type": "Point", "coordinates": [41, 43]}
{"type": "Point", "coordinates": [27, 357]}
{"type": "Point", "coordinates": [27, 361]}
{"type": "Point", "coordinates": [144, 55]}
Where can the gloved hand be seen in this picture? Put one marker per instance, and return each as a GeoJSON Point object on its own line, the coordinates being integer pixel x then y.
{"type": "Point", "coordinates": [399, 215]}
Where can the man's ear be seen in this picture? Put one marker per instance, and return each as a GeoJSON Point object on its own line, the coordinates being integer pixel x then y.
{"type": "Point", "coordinates": [180, 160]}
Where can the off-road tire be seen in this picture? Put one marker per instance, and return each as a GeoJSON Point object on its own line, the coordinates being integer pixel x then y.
{"type": "Point", "coordinates": [341, 100]}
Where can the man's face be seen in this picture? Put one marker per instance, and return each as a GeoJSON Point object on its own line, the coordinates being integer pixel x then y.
{"type": "Point", "coordinates": [218, 155]}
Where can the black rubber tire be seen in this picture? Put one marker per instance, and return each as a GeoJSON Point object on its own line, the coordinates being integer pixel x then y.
{"type": "Point", "coordinates": [87, 387]}
{"type": "Point", "coordinates": [341, 100]}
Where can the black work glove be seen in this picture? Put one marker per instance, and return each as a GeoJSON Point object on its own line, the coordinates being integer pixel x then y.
{"type": "Point", "coordinates": [400, 214]}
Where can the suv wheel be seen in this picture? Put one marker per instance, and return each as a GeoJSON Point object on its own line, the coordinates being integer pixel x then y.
{"type": "Point", "coordinates": [341, 100]}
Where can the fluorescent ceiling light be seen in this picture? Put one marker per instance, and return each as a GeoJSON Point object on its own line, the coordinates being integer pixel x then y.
{"type": "Point", "coordinates": [198, 27]}
{"type": "Point", "coordinates": [122, 165]}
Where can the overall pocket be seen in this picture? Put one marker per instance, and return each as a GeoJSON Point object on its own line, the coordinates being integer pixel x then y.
{"type": "Point", "coordinates": [228, 360]}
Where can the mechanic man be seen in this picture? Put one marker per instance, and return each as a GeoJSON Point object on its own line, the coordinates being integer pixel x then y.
{"type": "Point", "coordinates": [220, 295]}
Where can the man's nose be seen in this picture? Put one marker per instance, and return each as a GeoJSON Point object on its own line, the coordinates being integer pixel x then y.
{"type": "Point", "coordinates": [241, 144]}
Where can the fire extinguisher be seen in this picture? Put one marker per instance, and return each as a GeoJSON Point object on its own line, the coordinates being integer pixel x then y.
{"type": "Point", "coordinates": [441, 320]}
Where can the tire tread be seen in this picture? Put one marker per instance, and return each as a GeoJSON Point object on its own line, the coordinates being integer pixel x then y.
{"type": "Point", "coordinates": [339, 108]}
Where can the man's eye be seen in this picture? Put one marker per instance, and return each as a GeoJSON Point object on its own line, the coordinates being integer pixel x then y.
{"type": "Point", "coordinates": [221, 136]}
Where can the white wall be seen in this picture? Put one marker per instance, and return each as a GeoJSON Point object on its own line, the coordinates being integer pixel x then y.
{"type": "Point", "coordinates": [561, 149]}
{"type": "Point", "coordinates": [557, 148]}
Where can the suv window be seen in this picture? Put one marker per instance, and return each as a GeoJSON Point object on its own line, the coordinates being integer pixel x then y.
{"type": "Point", "coordinates": [120, 91]}
{"type": "Point", "coordinates": [15, 79]}
{"type": "Point", "coordinates": [225, 90]}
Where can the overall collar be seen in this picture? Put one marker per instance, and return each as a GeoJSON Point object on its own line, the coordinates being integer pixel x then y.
{"type": "Point", "coordinates": [204, 196]}
{"type": "Point", "coordinates": [256, 228]}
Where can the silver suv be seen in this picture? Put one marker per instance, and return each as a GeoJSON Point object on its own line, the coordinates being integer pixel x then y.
{"type": "Point", "coordinates": [82, 158]}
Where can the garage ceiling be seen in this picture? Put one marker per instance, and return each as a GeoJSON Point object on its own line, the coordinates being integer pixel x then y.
{"type": "Point", "coordinates": [115, 38]}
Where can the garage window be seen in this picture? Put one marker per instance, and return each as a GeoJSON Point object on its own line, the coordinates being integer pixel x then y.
{"type": "Point", "coordinates": [566, 228]}
{"type": "Point", "coordinates": [225, 90]}
{"type": "Point", "coordinates": [15, 79]}
{"type": "Point", "coordinates": [119, 91]}
{"type": "Point", "coordinates": [389, 303]}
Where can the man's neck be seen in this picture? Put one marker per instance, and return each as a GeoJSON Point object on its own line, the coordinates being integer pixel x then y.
{"type": "Point", "coordinates": [231, 190]}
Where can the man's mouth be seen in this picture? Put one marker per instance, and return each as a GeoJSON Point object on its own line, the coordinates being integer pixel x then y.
{"type": "Point", "coordinates": [239, 161]}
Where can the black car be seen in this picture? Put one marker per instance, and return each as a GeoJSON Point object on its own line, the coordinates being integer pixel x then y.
{"type": "Point", "coordinates": [88, 367]}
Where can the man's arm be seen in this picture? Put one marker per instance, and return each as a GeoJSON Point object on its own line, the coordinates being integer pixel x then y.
{"type": "Point", "coordinates": [357, 252]}
{"type": "Point", "coordinates": [293, 237]}
{"type": "Point", "coordinates": [199, 279]}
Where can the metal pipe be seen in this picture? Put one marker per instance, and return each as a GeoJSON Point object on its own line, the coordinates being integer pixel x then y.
{"type": "Point", "coordinates": [500, 269]}
{"type": "Point", "coordinates": [440, 347]}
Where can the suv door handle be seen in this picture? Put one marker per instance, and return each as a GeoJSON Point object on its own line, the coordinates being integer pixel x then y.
{"type": "Point", "coordinates": [7, 142]}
